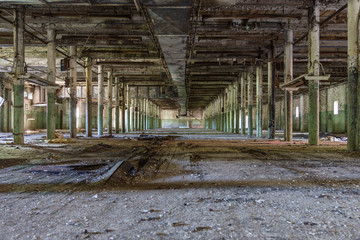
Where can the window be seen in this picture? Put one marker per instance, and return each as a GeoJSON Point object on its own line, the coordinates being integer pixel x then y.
{"type": "Point", "coordinates": [336, 107]}
{"type": "Point", "coordinates": [297, 112]}
{"type": "Point", "coordinates": [246, 121]}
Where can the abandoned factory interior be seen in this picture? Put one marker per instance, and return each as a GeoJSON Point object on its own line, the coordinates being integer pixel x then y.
{"type": "Point", "coordinates": [179, 119]}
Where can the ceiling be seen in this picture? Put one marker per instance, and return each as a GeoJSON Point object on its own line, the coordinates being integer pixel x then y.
{"type": "Point", "coordinates": [192, 49]}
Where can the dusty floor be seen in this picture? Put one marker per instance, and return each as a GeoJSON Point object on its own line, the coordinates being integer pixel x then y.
{"type": "Point", "coordinates": [178, 185]}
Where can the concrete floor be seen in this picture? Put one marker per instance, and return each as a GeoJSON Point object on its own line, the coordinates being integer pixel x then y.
{"type": "Point", "coordinates": [178, 184]}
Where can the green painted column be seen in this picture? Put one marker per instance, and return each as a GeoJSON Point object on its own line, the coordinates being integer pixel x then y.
{"type": "Point", "coordinates": [88, 96]}
{"type": "Point", "coordinates": [110, 102]}
{"type": "Point", "coordinates": [73, 97]}
{"type": "Point", "coordinates": [18, 114]}
{"type": "Point", "coordinates": [242, 102]}
{"type": "Point", "coordinates": [18, 69]}
{"type": "Point", "coordinates": [160, 117]}
{"type": "Point", "coordinates": [51, 75]}
{"type": "Point", "coordinates": [250, 100]}
{"type": "Point", "coordinates": [100, 119]}
{"type": "Point", "coordinates": [314, 70]}
{"type": "Point", "coordinates": [117, 105]}
{"type": "Point", "coordinates": [237, 108]}
{"type": "Point", "coordinates": [353, 10]}
{"type": "Point", "coordinates": [271, 93]}
{"type": "Point", "coordinates": [223, 115]}
{"type": "Point", "coordinates": [259, 95]}
{"type": "Point", "coordinates": [8, 110]}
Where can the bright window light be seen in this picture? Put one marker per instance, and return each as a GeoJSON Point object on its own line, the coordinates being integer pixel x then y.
{"type": "Point", "coordinates": [297, 112]}
{"type": "Point", "coordinates": [30, 95]}
{"type": "Point", "coordinates": [246, 121]}
{"type": "Point", "coordinates": [1, 101]}
{"type": "Point", "coordinates": [336, 107]}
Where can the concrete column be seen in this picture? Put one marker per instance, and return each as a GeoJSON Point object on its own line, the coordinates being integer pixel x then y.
{"type": "Point", "coordinates": [237, 109]}
{"type": "Point", "coordinates": [8, 109]}
{"type": "Point", "coordinates": [18, 69]}
{"type": "Point", "coordinates": [160, 121]}
{"type": "Point", "coordinates": [51, 75]}
{"type": "Point", "coordinates": [100, 120]}
{"type": "Point", "coordinates": [128, 108]}
{"type": "Point", "coordinates": [288, 75]}
{"type": "Point", "coordinates": [271, 93]}
{"type": "Point", "coordinates": [250, 100]}
{"type": "Point", "coordinates": [73, 97]}
{"type": "Point", "coordinates": [88, 96]}
{"type": "Point", "coordinates": [217, 113]}
{"type": "Point", "coordinates": [117, 105]}
{"type": "Point", "coordinates": [2, 115]}
{"type": "Point", "coordinates": [243, 102]}
{"type": "Point", "coordinates": [110, 101]}
{"type": "Point", "coordinates": [133, 127]}
{"type": "Point", "coordinates": [225, 114]}
{"type": "Point", "coordinates": [123, 107]}
{"type": "Point", "coordinates": [353, 10]}
{"type": "Point", "coordinates": [233, 108]}
{"type": "Point", "coordinates": [136, 110]}
{"type": "Point", "coordinates": [140, 102]}
{"type": "Point", "coordinates": [222, 110]}
{"type": "Point", "coordinates": [314, 70]}
{"type": "Point", "coordinates": [143, 122]}
{"type": "Point", "coordinates": [259, 94]}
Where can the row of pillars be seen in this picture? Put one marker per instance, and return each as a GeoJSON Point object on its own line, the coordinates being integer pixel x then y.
{"type": "Point", "coordinates": [227, 115]}
{"type": "Point", "coordinates": [137, 114]}
{"type": "Point", "coordinates": [224, 107]}
{"type": "Point", "coordinates": [145, 114]}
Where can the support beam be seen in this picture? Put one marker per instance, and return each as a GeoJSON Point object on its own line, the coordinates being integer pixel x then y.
{"type": "Point", "coordinates": [128, 108]}
{"type": "Point", "coordinates": [133, 127]}
{"type": "Point", "coordinates": [110, 101]}
{"type": "Point", "coordinates": [259, 95]}
{"type": "Point", "coordinates": [237, 108]}
{"type": "Point", "coordinates": [117, 105]}
{"type": "Point", "coordinates": [123, 107]}
{"type": "Point", "coordinates": [51, 75]}
{"type": "Point", "coordinates": [250, 100]}
{"type": "Point", "coordinates": [136, 110]}
{"type": "Point", "coordinates": [88, 96]}
{"type": "Point", "coordinates": [271, 93]}
{"type": "Point", "coordinates": [73, 83]}
{"type": "Point", "coordinates": [19, 69]}
{"type": "Point", "coordinates": [243, 101]}
{"type": "Point", "coordinates": [288, 75]}
{"type": "Point", "coordinates": [2, 114]}
{"type": "Point", "coordinates": [353, 76]}
{"type": "Point", "coordinates": [314, 70]}
{"type": "Point", "coordinates": [233, 107]}
{"type": "Point", "coordinates": [100, 100]}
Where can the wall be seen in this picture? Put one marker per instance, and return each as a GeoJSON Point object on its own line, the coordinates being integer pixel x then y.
{"type": "Point", "coordinates": [170, 119]}
{"type": "Point", "coordinates": [329, 122]}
